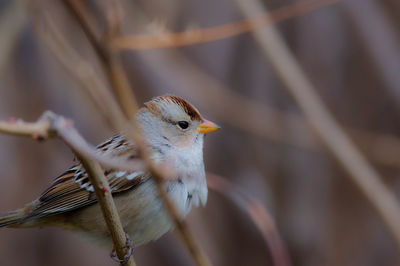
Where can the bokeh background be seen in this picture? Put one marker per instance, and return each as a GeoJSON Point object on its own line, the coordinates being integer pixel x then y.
{"type": "Point", "coordinates": [349, 50]}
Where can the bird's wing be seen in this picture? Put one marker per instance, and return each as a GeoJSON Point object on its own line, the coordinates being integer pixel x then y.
{"type": "Point", "coordinates": [73, 190]}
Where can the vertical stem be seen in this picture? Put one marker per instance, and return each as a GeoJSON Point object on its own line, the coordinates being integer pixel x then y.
{"type": "Point", "coordinates": [108, 208]}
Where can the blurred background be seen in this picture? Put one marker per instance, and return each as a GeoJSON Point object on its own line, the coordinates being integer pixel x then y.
{"type": "Point", "coordinates": [350, 50]}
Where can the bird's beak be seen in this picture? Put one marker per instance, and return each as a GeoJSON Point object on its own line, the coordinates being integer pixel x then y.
{"type": "Point", "coordinates": [207, 126]}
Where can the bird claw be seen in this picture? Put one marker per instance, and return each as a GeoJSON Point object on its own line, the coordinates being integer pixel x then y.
{"type": "Point", "coordinates": [131, 248]}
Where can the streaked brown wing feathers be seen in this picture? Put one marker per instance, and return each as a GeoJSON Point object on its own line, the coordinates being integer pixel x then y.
{"type": "Point", "coordinates": [72, 190]}
{"type": "Point", "coordinates": [68, 195]}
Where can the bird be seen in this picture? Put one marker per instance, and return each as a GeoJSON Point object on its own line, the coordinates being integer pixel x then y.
{"type": "Point", "coordinates": [174, 131]}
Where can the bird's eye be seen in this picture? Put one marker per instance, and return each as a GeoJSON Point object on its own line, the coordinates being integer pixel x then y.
{"type": "Point", "coordinates": [183, 124]}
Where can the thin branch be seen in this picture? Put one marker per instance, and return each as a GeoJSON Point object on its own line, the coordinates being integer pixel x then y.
{"type": "Point", "coordinates": [110, 213]}
{"type": "Point", "coordinates": [322, 121]}
{"type": "Point", "coordinates": [17, 127]}
{"type": "Point", "coordinates": [41, 130]}
{"type": "Point", "coordinates": [198, 36]}
{"type": "Point", "coordinates": [258, 214]}
{"type": "Point", "coordinates": [52, 125]}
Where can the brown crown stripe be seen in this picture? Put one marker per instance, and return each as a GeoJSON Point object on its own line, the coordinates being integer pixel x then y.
{"type": "Point", "coordinates": [186, 106]}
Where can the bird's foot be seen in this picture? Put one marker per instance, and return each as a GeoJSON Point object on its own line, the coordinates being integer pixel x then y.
{"type": "Point", "coordinates": [129, 246]}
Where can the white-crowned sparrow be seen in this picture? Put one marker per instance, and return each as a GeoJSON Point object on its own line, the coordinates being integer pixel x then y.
{"type": "Point", "coordinates": [174, 131]}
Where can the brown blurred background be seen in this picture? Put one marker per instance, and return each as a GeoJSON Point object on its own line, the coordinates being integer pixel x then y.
{"type": "Point", "coordinates": [349, 50]}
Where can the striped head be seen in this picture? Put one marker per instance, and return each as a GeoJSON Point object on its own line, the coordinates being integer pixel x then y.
{"type": "Point", "coordinates": [171, 120]}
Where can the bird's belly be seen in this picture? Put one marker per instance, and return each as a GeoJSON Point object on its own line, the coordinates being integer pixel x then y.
{"type": "Point", "coordinates": [148, 222]}
{"type": "Point", "coordinates": [142, 214]}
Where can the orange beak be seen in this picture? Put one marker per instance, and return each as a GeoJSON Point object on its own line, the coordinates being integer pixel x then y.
{"type": "Point", "coordinates": [207, 126]}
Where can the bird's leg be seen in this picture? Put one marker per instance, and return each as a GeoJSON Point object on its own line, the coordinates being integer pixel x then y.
{"type": "Point", "coordinates": [131, 248]}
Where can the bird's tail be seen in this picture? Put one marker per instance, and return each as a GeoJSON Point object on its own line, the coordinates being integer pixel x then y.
{"type": "Point", "coordinates": [11, 218]}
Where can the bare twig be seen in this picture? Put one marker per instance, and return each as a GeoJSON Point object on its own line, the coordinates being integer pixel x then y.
{"type": "Point", "coordinates": [41, 130]}
{"type": "Point", "coordinates": [197, 36]}
{"type": "Point", "coordinates": [51, 125]}
{"type": "Point", "coordinates": [17, 127]}
{"type": "Point", "coordinates": [258, 214]}
{"type": "Point", "coordinates": [110, 213]}
{"type": "Point", "coordinates": [361, 172]}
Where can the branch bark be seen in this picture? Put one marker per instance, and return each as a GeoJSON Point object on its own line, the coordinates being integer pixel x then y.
{"type": "Point", "coordinates": [110, 213]}
{"type": "Point", "coordinates": [44, 129]}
